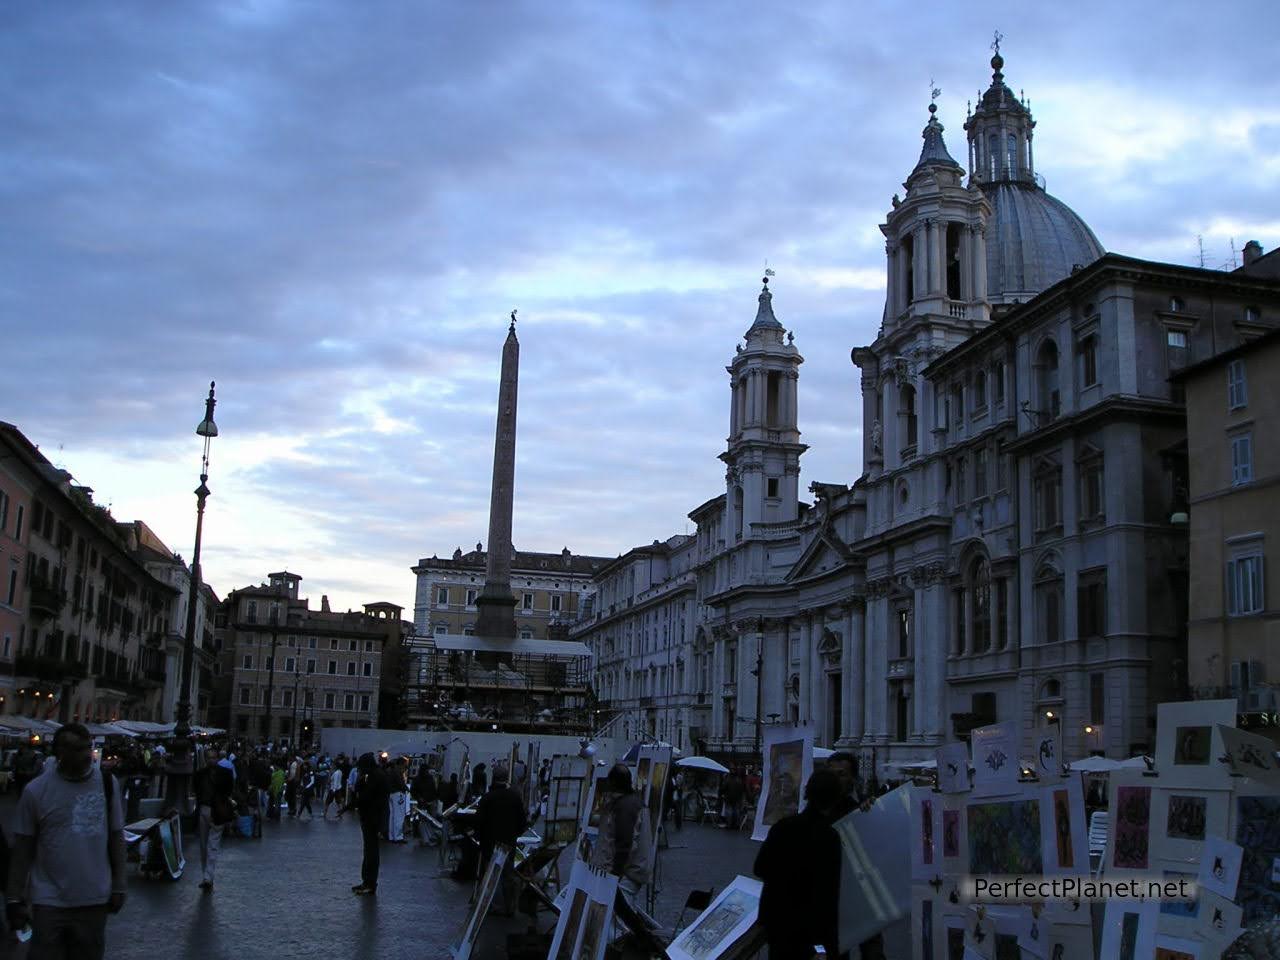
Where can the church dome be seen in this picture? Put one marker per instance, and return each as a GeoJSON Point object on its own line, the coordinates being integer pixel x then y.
{"type": "Point", "coordinates": [1033, 241]}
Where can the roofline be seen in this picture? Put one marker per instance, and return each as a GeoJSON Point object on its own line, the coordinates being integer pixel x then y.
{"type": "Point", "coordinates": [705, 506]}
{"type": "Point", "coordinates": [1108, 263]}
{"type": "Point", "coordinates": [1226, 356]}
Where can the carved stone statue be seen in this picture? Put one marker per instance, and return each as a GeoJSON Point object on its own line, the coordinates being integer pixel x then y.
{"type": "Point", "coordinates": [877, 433]}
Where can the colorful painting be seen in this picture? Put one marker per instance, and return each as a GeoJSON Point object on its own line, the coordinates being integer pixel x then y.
{"type": "Point", "coordinates": [569, 933]}
{"type": "Point", "coordinates": [951, 833]}
{"type": "Point", "coordinates": [1191, 746]}
{"type": "Point", "coordinates": [1132, 827]}
{"type": "Point", "coordinates": [1062, 827]}
{"type": "Point", "coordinates": [1258, 832]}
{"type": "Point", "coordinates": [1004, 838]}
{"type": "Point", "coordinates": [1186, 817]}
{"type": "Point", "coordinates": [591, 943]}
{"type": "Point", "coordinates": [785, 780]}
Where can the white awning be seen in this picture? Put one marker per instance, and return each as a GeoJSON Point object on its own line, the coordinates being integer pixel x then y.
{"type": "Point", "coordinates": [528, 648]}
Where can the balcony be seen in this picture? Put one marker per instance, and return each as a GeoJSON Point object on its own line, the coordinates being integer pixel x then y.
{"type": "Point", "coordinates": [46, 600]}
{"type": "Point", "coordinates": [49, 669]}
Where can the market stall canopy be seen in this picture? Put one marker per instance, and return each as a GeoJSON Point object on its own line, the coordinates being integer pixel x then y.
{"type": "Point", "coordinates": [1136, 763]}
{"type": "Point", "coordinates": [913, 764]}
{"type": "Point", "coordinates": [1095, 765]}
{"type": "Point", "coordinates": [108, 730]}
{"type": "Point", "coordinates": [702, 763]}
{"type": "Point", "coordinates": [145, 728]}
{"type": "Point", "coordinates": [29, 725]}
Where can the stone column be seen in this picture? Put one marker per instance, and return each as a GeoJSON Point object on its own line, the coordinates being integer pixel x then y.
{"type": "Point", "coordinates": [980, 264]}
{"type": "Point", "coordinates": [919, 261]}
{"type": "Point", "coordinates": [871, 683]}
{"type": "Point", "coordinates": [857, 669]}
{"type": "Point", "coordinates": [891, 278]}
{"type": "Point", "coordinates": [922, 687]}
{"type": "Point", "coordinates": [806, 660]}
{"type": "Point", "coordinates": [793, 395]}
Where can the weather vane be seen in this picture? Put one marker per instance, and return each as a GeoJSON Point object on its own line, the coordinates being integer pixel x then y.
{"type": "Point", "coordinates": [934, 91]}
{"type": "Point", "coordinates": [513, 321]}
{"type": "Point", "coordinates": [995, 44]}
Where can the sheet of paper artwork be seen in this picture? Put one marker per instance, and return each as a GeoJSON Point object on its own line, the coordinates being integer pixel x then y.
{"type": "Point", "coordinates": [1004, 835]}
{"type": "Point", "coordinates": [1221, 920]}
{"type": "Point", "coordinates": [1181, 820]}
{"type": "Point", "coordinates": [951, 942]}
{"type": "Point", "coordinates": [1128, 929]}
{"type": "Point", "coordinates": [1129, 824]}
{"type": "Point", "coordinates": [1188, 744]}
{"type": "Point", "coordinates": [1180, 917]}
{"type": "Point", "coordinates": [953, 768]}
{"type": "Point", "coordinates": [1252, 755]}
{"type": "Point", "coordinates": [655, 788]}
{"type": "Point", "coordinates": [788, 764]}
{"type": "Point", "coordinates": [953, 841]}
{"type": "Point", "coordinates": [1256, 820]}
{"type": "Point", "coordinates": [1068, 941]}
{"type": "Point", "coordinates": [874, 889]}
{"type": "Point", "coordinates": [995, 760]}
{"type": "Point", "coordinates": [1047, 754]}
{"type": "Point", "coordinates": [1220, 866]}
{"type": "Point", "coordinates": [1063, 831]}
{"type": "Point", "coordinates": [980, 935]}
{"type": "Point", "coordinates": [925, 810]}
{"type": "Point", "coordinates": [727, 921]}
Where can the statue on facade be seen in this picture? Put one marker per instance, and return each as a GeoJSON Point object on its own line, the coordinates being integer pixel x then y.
{"type": "Point", "coordinates": [876, 433]}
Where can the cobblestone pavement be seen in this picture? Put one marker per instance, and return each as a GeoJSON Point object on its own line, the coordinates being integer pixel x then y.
{"type": "Point", "coordinates": [289, 896]}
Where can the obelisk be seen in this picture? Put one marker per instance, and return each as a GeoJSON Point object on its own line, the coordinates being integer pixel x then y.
{"type": "Point", "coordinates": [496, 603]}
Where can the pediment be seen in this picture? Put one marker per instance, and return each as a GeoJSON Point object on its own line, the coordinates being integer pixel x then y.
{"type": "Point", "coordinates": [825, 552]}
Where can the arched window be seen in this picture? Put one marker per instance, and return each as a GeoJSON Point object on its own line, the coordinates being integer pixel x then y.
{"type": "Point", "coordinates": [980, 604]}
{"type": "Point", "coordinates": [1049, 399]}
{"type": "Point", "coordinates": [953, 261]}
{"type": "Point", "coordinates": [1012, 158]}
{"type": "Point", "coordinates": [1048, 601]}
{"type": "Point", "coordinates": [1051, 690]}
{"type": "Point", "coordinates": [993, 156]}
{"type": "Point", "coordinates": [909, 262]}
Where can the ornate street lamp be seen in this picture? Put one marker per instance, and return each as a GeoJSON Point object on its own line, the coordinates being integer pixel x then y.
{"type": "Point", "coordinates": [180, 763]}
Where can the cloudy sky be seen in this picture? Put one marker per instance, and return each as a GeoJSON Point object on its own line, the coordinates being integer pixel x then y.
{"type": "Point", "coordinates": [330, 208]}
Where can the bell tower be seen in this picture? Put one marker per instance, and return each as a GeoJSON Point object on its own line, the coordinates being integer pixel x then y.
{"type": "Point", "coordinates": [762, 478]}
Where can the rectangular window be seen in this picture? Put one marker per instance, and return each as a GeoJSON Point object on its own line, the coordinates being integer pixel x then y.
{"type": "Point", "coordinates": [1092, 493]}
{"type": "Point", "coordinates": [364, 702]}
{"type": "Point", "coordinates": [1237, 387]}
{"type": "Point", "coordinates": [1091, 606]}
{"type": "Point", "coordinates": [1002, 613]}
{"type": "Point", "coordinates": [555, 603]}
{"type": "Point", "coordinates": [333, 643]}
{"type": "Point", "coordinates": [244, 696]}
{"type": "Point", "coordinates": [351, 668]}
{"type": "Point", "coordinates": [997, 376]}
{"type": "Point", "coordinates": [1176, 346]}
{"type": "Point", "coordinates": [13, 586]}
{"type": "Point", "coordinates": [333, 668]}
{"type": "Point", "coordinates": [352, 646]}
{"type": "Point", "coordinates": [247, 664]}
{"type": "Point", "coordinates": [17, 522]}
{"type": "Point", "coordinates": [771, 487]}
{"type": "Point", "coordinates": [1097, 699]}
{"type": "Point", "coordinates": [311, 666]}
{"type": "Point", "coordinates": [904, 632]}
{"type": "Point", "coordinates": [442, 596]}
{"type": "Point", "coordinates": [290, 665]}
{"type": "Point", "coordinates": [527, 603]}
{"type": "Point", "coordinates": [1048, 497]}
{"type": "Point", "coordinates": [368, 646]}
{"type": "Point", "coordinates": [349, 702]}
{"type": "Point", "coordinates": [287, 699]}
{"type": "Point", "coordinates": [1244, 585]}
{"type": "Point", "coordinates": [311, 643]}
{"type": "Point", "coordinates": [251, 612]}
{"type": "Point", "coordinates": [980, 472]}
{"type": "Point", "coordinates": [468, 631]}
{"type": "Point", "coordinates": [264, 697]}
{"type": "Point", "coordinates": [1241, 458]}
{"type": "Point", "coordinates": [961, 469]}
{"type": "Point", "coordinates": [4, 510]}
{"type": "Point", "coordinates": [328, 701]}
{"type": "Point", "coordinates": [957, 404]}
{"type": "Point", "coordinates": [441, 630]}
{"type": "Point", "coordinates": [1088, 350]}
{"type": "Point", "coordinates": [471, 598]}
{"type": "Point", "coordinates": [368, 668]}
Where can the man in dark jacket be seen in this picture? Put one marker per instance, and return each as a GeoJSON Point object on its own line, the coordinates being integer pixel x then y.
{"type": "Point", "coordinates": [799, 863]}
{"type": "Point", "coordinates": [214, 787]}
{"type": "Point", "coordinates": [370, 798]}
{"type": "Point", "coordinates": [500, 818]}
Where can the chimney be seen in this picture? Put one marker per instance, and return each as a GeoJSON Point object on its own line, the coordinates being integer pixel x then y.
{"type": "Point", "coordinates": [324, 603]}
{"type": "Point", "coordinates": [1252, 251]}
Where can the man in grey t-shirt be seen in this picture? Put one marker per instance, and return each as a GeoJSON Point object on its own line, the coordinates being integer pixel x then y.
{"type": "Point", "coordinates": [68, 853]}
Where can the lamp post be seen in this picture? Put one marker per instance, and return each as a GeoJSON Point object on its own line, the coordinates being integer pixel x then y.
{"type": "Point", "coordinates": [180, 757]}
{"type": "Point", "coordinates": [271, 676]}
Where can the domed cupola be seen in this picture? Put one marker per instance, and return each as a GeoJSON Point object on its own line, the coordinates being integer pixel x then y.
{"type": "Point", "coordinates": [1033, 239]}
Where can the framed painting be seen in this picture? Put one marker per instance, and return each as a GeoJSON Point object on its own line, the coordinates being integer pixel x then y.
{"type": "Point", "coordinates": [953, 844]}
{"type": "Point", "coordinates": [725, 923]}
{"type": "Point", "coordinates": [1005, 836]}
{"type": "Point", "coordinates": [1046, 754]}
{"type": "Point", "coordinates": [1256, 828]}
{"type": "Point", "coordinates": [1188, 744]}
{"type": "Point", "coordinates": [995, 760]}
{"type": "Point", "coordinates": [1183, 818]}
{"type": "Point", "coordinates": [788, 764]}
{"type": "Point", "coordinates": [1129, 837]}
{"type": "Point", "coordinates": [463, 944]}
{"type": "Point", "coordinates": [1251, 755]}
{"type": "Point", "coordinates": [1068, 942]}
{"type": "Point", "coordinates": [1063, 830]}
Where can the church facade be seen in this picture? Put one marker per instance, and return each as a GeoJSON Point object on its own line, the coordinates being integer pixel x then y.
{"type": "Point", "coordinates": [1012, 550]}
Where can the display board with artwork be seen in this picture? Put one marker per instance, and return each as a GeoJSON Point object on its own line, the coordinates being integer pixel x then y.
{"type": "Point", "coordinates": [586, 917]}
{"type": "Point", "coordinates": [788, 763]}
{"type": "Point", "coordinates": [717, 932]}
{"type": "Point", "coordinates": [461, 946]}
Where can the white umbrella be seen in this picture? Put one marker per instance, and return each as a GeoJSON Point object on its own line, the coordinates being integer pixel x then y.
{"type": "Point", "coordinates": [1095, 765]}
{"type": "Point", "coordinates": [1134, 763]}
{"type": "Point", "coordinates": [702, 763]}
